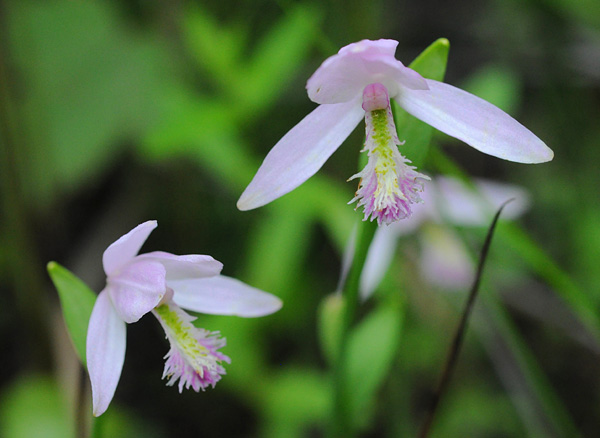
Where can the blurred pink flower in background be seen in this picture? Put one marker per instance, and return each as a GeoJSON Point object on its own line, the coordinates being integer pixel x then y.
{"type": "Point", "coordinates": [444, 261]}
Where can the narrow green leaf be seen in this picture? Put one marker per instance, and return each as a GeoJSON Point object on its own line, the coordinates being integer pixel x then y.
{"type": "Point", "coordinates": [215, 46]}
{"type": "Point", "coordinates": [194, 125]}
{"type": "Point", "coordinates": [277, 59]}
{"type": "Point", "coordinates": [543, 265]}
{"type": "Point", "coordinates": [253, 80]}
{"type": "Point", "coordinates": [372, 346]}
{"type": "Point", "coordinates": [77, 301]}
{"type": "Point", "coordinates": [431, 64]}
{"type": "Point", "coordinates": [538, 403]}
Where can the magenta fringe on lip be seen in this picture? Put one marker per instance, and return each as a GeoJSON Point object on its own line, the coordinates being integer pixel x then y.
{"type": "Point", "coordinates": [396, 206]}
{"type": "Point", "coordinates": [177, 366]}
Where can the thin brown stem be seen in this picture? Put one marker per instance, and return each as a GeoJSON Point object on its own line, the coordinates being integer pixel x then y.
{"type": "Point", "coordinates": [460, 331]}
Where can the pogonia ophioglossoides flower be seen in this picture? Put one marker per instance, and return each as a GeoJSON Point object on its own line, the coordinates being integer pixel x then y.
{"type": "Point", "coordinates": [357, 83]}
{"type": "Point", "coordinates": [164, 284]}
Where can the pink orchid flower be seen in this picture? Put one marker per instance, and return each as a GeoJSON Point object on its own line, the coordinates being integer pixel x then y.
{"type": "Point", "coordinates": [164, 284]}
{"type": "Point", "coordinates": [444, 261]}
{"type": "Point", "coordinates": [357, 83]}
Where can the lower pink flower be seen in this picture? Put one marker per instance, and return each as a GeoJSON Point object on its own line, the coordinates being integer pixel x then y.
{"type": "Point", "coordinates": [164, 284]}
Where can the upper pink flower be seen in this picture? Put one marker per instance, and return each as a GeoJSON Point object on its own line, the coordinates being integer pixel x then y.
{"type": "Point", "coordinates": [338, 86]}
{"type": "Point", "coordinates": [163, 284]}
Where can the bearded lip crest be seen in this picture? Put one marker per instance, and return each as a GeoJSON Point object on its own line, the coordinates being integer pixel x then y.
{"type": "Point", "coordinates": [193, 358]}
{"type": "Point", "coordinates": [388, 184]}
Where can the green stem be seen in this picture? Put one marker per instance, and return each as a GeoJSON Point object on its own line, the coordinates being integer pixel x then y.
{"type": "Point", "coordinates": [81, 408]}
{"type": "Point", "coordinates": [341, 421]}
{"type": "Point", "coordinates": [97, 427]}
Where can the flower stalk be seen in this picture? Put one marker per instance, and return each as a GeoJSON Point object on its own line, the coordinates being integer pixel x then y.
{"type": "Point", "coordinates": [341, 421]}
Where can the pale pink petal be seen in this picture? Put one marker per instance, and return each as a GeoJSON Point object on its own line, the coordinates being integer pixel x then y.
{"type": "Point", "coordinates": [137, 289]}
{"type": "Point", "coordinates": [474, 121]}
{"type": "Point", "coordinates": [496, 194]}
{"type": "Point", "coordinates": [444, 260]}
{"type": "Point", "coordinates": [126, 247]}
{"type": "Point", "coordinates": [382, 249]}
{"type": "Point", "coordinates": [382, 47]}
{"type": "Point", "coordinates": [347, 258]}
{"type": "Point", "coordinates": [460, 204]}
{"type": "Point", "coordinates": [185, 266]}
{"type": "Point", "coordinates": [379, 257]}
{"type": "Point", "coordinates": [223, 295]}
{"type": "Point", "coordinates": [301, 152]}
{"type": "Point", "coordinates": [105, 352]}
{"type": "Point", "coordinates": [342, 77]}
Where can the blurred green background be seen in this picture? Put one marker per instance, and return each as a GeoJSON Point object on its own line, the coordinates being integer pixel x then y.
{"type": "Point", "coordinates": [113, 113]}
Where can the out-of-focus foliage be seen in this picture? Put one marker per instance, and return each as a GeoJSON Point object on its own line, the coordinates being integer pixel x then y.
{"type": "Point", "coordinates": [87, 84]}
{"type": "Point", "coordinates": [42, 396]}
{"type": "Point", "coordinates": [116, 112]}
{"type": "Point", "coordinates": [364, 377]}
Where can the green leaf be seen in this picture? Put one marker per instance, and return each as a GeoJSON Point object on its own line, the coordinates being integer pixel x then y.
{"type": "Point", "coordinates": [277, 59]}
{"type": "Point", "coordinates": [371, 349]}
{"type": "Point", "coordinates": [215, 46]}
{"type": "Point", "coordinates": [77, 301]}
{"type": "Point", "coordinates": [193, 127]}
{"type": "Point", "coordinates": [431, 64]}
{"type": "Point", "coordinates": [327, 200]}
{"type": "Point", "coordinates": [252, 81]}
